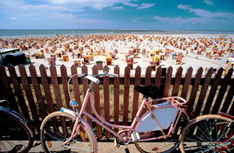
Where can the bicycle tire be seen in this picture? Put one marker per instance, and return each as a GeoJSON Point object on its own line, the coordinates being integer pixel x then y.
{"type": "Point", "coordinates": [207, 133]}
{"type": "Point", "coordinates": [12, 127]}
{"type": "Point", "coordinates": [52, 137]}
{"type": "Point", "coordinates": [162, 145]}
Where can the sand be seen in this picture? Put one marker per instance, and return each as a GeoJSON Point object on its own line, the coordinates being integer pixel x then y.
{"type": "Point", "coordinates": [143, 47]}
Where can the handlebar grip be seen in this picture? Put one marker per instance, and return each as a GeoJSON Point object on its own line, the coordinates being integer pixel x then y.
{"type": "Point", "coordinates": [91, 78]}
{"type": "Point", "coordinates": [114, 75]}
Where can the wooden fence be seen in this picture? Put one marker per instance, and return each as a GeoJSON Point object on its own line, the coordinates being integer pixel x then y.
{"type": "Point", "coordinates": [36, 93]}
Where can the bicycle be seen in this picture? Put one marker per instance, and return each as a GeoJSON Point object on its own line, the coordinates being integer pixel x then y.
{"type": "Point", "coordinates": [13, 126]}
{"type": "Point", "coordinates": [208, 133]}
{"type": "Point", "coordinates": [159, 123]}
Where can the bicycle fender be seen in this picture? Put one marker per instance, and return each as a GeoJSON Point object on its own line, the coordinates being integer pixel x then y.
{"type": "Point", "coordinates": [85, 124]}
{"type": "Point", "coordinates": [68, 111]}
{"type": "Point", "coordinates": [18, 116]}
{"type": "Point", "coordinates": [90, 130]}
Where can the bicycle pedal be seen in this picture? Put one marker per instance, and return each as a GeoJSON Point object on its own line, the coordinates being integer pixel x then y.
{"type": "Point", "coordinates": [135, 136]}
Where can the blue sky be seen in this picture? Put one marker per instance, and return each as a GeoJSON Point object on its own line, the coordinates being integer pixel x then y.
{"type": "Point", "coordinates": [117, 14]}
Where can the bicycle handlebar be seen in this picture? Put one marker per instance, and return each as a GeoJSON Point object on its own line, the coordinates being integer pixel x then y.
{"type": "Point", "coordinates": [94, 78]}
{"type": "Point", "coordinates": [91, 78]}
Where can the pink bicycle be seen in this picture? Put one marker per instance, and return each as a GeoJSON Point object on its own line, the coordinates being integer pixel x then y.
{"type": "Point", "coordinates": [154, 130]}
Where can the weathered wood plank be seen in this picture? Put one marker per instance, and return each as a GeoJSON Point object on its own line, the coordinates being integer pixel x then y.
{"type": "Point", "coordinates": [106, 98]}
{"type": "Point", "coordinates": [176, 86]}
{"type": "Point", "coordinates": [213, 91]}
{"type": "Point", "coordinates": [228, 99]}
{"type": "Point", "coordinates": [194, 90]}
{"type": "Point", "coordinates": [63, 70]}
{"type": "Point", "coordinates": [96, 94]}
{"type": "Point", "coordinates": [126, 95]}
{"type": "Point", "coordinates": [76, 85]}
{"type": "Point", "coordinates": [116, 97]}
{"type": "Point", "coordinates": [203, 93]}
{"type": "Point", "coordinates": [84, 70]}
{"type": "Point", "coordinates": [222, 91]}
{"type": "Point", "coordinates": [56, 87]}
{"type": "Point", "coordinates": [158, 77]}
{"type": "Point", "coordinates": [187, 83]}
{"type": "Point", "coordinates": [57, 94]}
{"type": "Point", "coordinates": [167, 82]}
{"type": "Point", "coordinates": [7, 90]}
{"type": "Point", "coordinates": [29, 95]}
{"type": "Point", "coordinates": [37, 90]}
{"type": "Point", "coordinates": [136, 94]}
{"type": "Point", "coordinates": [18, 91]}
{"type": "Point", "coordinates": [148, 76]}
{"type": "Point", "coordinates": [46, 87]}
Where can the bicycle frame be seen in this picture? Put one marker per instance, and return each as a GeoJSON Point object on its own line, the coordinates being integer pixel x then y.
{"type": "Point", "coordinates": [130, 129]}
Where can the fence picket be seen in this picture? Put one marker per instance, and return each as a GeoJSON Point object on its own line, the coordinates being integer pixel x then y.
{"type": "Point", "coordinates": [6, 89]}
{"type": "Point", "coordinates": [116, 97]}
{"type": "Point", "coordinates": [84, 70]}
{"type": "Point", "coordinates": [29, 95]}
{"type": "Point", "coordinates": [97, 101]}
{"type": "Point", "coordinates": [18, 91]}
{"type": "Point", "coordinates": [222, 91]}
{"type": "Point", "coordinates": [200, 101]}
{"type": "Point", "coordinates": [158, 77]}
{"type": "Point", "coordinates": [176, 86]}
{"type": "Point", "coordinates": [76, 86]}
{"type": "Point", "coordinates": [37, 90]}
{"type": "Point", "coordinates": [167, 82]}
{"type": "Point", "coordinates": [56, 87]}
{"type": "Point", "coordinates": [57, 94]}
{"type": "Point", "coordinates": [63, 70]}
{"type": "Point", "coordinates": [126, 95]}
{"type": "Point", "coordinates": [187, 83]}
{"type": "Point", "coordinates": [228, 99]}
{"type": "Point", "coordinates": [194, 90]}
{"type": "Point", "coordinates": [45, 84]}
{"type": "Point", "coordinates": [148, 76]}
{"type": "Point", "coordinates": [136, 94]}
{"type": "Point", "coordinates": [106, 98]}
{"type": "Point", "coordinates": [213, 91]}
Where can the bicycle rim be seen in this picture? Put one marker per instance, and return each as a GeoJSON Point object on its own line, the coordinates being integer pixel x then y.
{"type": "Point", "coordinates": [56, 128]}
{"type": "Point", "coordinates": [162, 145]}
{"type": "Point", "coordinates": [208, 133]}
{"type": "Point", "coordinates": [14, 135]}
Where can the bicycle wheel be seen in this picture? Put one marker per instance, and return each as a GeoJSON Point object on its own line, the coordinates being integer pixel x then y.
{"type": "Point", "coordinates": [15, 136]}
{"type": "Point", "coordinates": [161, 145]}
{"type": "Point", "coordinates": [208, 133]}
{"type": "Point", "coordinates": [57, 127]}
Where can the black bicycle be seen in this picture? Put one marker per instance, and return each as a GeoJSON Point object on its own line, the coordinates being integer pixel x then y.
{"type": "Point", "coordinates": [15, 134]}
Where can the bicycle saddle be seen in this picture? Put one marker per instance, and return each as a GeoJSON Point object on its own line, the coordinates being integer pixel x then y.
{"type": "Point", "coordinates": [147, 91]}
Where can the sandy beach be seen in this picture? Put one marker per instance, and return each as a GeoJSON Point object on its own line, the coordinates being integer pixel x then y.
{"type": "Point", "coordinates": [176, 50]}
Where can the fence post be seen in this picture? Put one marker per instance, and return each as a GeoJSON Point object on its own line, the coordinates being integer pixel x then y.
{"type": "Point", "coordinates": [126, 95]}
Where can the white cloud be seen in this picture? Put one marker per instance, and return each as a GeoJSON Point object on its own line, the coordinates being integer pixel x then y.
{"type": "Point", "coordinates": [130, 4]}
{"type": "Point", "coordinates": [96, 4]}
{"type": "Point", "coordinates": [209, 2]}
{"type": "Point", "coordinates": [141, 6]}
{"type": "Point", "coordinates": [204, 13]}
{"type": "Point", "coordinates": [179, 20]}
{"type": "Point", "coordinates": [145, 5]}
{"type": "Point", "coordinates": [117, 8]}
{"type": "Point", "coordinates": [184, 7]}
{"type": "Point", "coordinates": [13, 18]}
